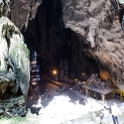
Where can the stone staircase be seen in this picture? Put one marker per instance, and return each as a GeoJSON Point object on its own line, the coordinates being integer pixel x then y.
{"type": "Point", "coordinates": [94, 118]}
{"type": "Point", "coordinates": [90, 119]}
{"type": "Point", "coordinates": [85, 119]}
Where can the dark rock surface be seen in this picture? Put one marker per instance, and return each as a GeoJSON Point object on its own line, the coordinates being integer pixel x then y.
{"type": "Point", "coordinates": [13, 107]}
{"type": "Point", "coordinates": [22, 11]}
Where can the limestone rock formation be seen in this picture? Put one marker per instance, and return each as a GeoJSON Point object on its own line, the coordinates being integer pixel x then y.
{"type": "Point", "coordinates": [101, 30]}
{"type": "Point", "coordinates": [13, 107]}
{"type": "Point", "coordinates": [22, 11]}
{"type": "Point", "coordinates": [98, 27]}
{"type": "Point", "coordinates": [14, 58]}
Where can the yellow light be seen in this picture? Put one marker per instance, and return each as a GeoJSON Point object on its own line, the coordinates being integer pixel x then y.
{"type": "Point", "coordinates": [83, 82]}
{"type": "Point", "coordinates": [34, 83]}
{"type": "Point", "coordinates": [83, 73]}
{"type": "Point", "coordinates": [76, 79]}
{"type": "Point", "coordinates": [32, 62]}
{"type": "Point", "coordinates": [54, 72]}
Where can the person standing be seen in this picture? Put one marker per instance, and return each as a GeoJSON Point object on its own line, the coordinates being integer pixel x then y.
{"type": "Point", "coordinates": [105, 113]}
{"type": "Point", "coordinates": [115, 111]}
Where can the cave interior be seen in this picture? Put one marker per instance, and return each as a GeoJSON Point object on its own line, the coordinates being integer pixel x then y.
{"type": "Point", "coordinates": [58, 47]}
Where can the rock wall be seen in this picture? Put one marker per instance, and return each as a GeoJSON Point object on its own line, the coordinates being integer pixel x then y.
{"type": "Point", "coordinates": [14, 57]}
{"type": "Point", "coordinates": [13, 107]}
{"type": "Point", "coordinates": [101, 30]}
{"type": "Point", "coordinates": [14, 67]}
{"type": "Point", "coordinates": [22, 11]}
{"type": "Point", "coordinates": [98, 27]}
{"type": "Point", "coordinates": [57, 46]}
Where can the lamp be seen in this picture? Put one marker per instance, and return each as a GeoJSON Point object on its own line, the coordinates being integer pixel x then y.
{"type": "Point", "coordinates": [54, 72]}
{"type": "Point", "coordinates": [83, 73]}
{"type": "Point", "coordinates": [34, 83]}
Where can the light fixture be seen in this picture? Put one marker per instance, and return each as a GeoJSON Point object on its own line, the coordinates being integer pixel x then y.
{"type": "Point", "coordinates": [34, 83]}
{"type": "Point", "coordinates": [32, 62]}
{"type": "Point", "coordinates": [54, 72]}
{"type": "Point", "coordinates": [83, 74]}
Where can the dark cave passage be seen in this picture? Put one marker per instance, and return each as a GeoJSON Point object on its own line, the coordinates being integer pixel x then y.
{"type": "Point", "coordinates": [58, 47]}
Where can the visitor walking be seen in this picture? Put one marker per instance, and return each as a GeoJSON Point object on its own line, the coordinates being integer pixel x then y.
{"type": "Point", "coordinates": [115, 111]}
{"type": "Point", "coordinates": [105, 113]}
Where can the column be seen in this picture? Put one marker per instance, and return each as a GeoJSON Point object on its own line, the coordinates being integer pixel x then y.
{"type": "Point", "coordinates": [114, 93]}
{"type": "Point", "coordinates": [94, 117]}
{"type": "Point", "coordinates": [103, 98]}
{"type": "Point", "coordinates": [86, 92]}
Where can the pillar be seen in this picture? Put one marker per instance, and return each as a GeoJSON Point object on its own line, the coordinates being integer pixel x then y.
{"type": "Point", "coordinates": [94, 117]}
{"type": "Point", "coordinates": [86, 92]}
{"type": "Point", "coordinates": [103, 98]}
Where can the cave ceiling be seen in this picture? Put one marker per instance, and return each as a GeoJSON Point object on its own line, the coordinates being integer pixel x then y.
{"type": "Point", "coordinates": [91, 23]}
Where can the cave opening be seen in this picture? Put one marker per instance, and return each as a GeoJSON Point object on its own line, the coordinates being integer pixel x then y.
{"type": "Point", "coordinates": [58, 47]}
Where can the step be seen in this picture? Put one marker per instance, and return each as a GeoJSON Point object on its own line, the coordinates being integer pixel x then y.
{"type": "Point", "coordinates": [121, 117]}
{"type": "Point", "coordinates": [75, 122]}
{"type": "Point", "coordinates": [35, 70]}
{"type": "Point", "coordinates": [35, 79]}
{"type": "Point", "coordinates": [92, 122]}
{"type": "Point", "coordinates": [83, 119]}
{"type": "Point", "coordinates": [35, 76]}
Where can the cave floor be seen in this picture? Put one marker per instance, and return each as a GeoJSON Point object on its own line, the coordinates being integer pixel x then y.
{"type": "Point", "coordinates": [56, 106]}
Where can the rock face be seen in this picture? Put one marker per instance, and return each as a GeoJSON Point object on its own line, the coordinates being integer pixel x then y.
{"type": "Point", "coordinates": [13, 107]}
{"type": "Point", "coordinates": [22, 11]}
{"type": "Point", "coordinates": [94, 22]}
{"type": "Point", "coordinates": [59, 48]}
{"type": "Point", "coordinates": [14, 58]}
{"type": "Point", "coordinates": [101, 30]}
